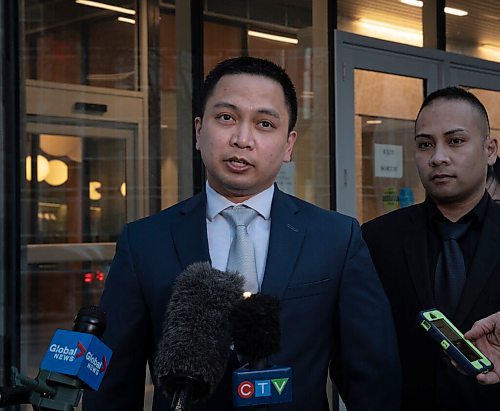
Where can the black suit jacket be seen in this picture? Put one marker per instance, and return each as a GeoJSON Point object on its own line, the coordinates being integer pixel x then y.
{"type": "Point", "coordinates": [333, 307]}
{"type": "Point", "coordinates": [399, 250]}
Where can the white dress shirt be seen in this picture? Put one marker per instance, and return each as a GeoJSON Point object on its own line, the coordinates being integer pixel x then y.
{"type": "Point", "coordinates": [220, 233]}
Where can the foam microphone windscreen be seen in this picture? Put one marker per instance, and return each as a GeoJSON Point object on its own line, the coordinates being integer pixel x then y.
{"type": "Point", "coordinates": [196, 334]}
{"type": "Point", "coordinates": [256, 326]}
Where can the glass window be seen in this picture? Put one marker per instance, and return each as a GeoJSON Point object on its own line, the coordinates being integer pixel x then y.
{"type": "Point", "coordinates": [385, 109]}
{"type": "Point", "coordinates": [76, 43]}
{"type": "Point", "coordinates": [169, 140]}
{"type": "Point", "coordinates": [399, 21]}
{"type": "Point", "coordinates": [3, 248]}
{"type": "Point", "coordinates": [283, 32]}
{"type": "Point", "coordinates": [84, 158]}
{"type": "Point", "coordinates": [472, 28]}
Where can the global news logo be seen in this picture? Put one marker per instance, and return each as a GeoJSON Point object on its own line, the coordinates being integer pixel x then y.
{"type": "Point", "coordinates": [261, 388]}
{"type": "Point", "coordinates": [67, 354]}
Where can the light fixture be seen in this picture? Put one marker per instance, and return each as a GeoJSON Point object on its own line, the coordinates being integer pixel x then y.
{"type": "Point", "coordinates": [123, 189]}
{"type": "Point", "coordinates": [274, 37]}
{"type": "Point", "coordinates": [490, 47]}
{"type": "Point", "coordinates": [60, 146]}
{"type": "Point", "coordinates": [94, 187]}
{"type": "Point", "coordinates": [447, 10]}
{"type": "Point", "coordinates": [455, 12]}
{"type": "Point", "coordinates": [385, 31]}
{"type": "Point", "coordinates": [42, 168]}
{"type": "Point", "coordinates": [106, 6]}
{"type": "Point", "coordinates": [490, 52]}
{"type": "Point", "coordinates": [58, 173]}
{"type": "Point", "coordinates": [373, 121]}
{"type": "Point", "coordinates": [415, 3]}
{"type": "Point", "coordinates": [126, 20]}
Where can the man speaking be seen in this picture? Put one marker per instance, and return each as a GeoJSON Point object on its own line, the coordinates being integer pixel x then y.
{"type": "Point", "coordinates": [334, 312]}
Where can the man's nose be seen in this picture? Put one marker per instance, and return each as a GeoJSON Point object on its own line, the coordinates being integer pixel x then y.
{"type": "Point", "coordinates": [243, 136]}
{"type": "Point", "coordinates": [440, 155]}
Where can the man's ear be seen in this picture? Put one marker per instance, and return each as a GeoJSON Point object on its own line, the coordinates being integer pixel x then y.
{"type": "Point", "coordinates": [290, 142]}
{"type": "Point", "coordinates": [491, 146]}
{"type": "Point", "coordinates": [197, 128]}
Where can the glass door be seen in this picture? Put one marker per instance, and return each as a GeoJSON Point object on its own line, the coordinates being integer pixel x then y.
{"type": "Point", "coordinates": [77, 195]}
{"type": "Point", "coordinates": [379, 93]}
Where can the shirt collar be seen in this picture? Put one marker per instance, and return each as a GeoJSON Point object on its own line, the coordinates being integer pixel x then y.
{"type": "Point", "coordinates": [477, 214]}
{"type": "Point", "coordinates": [260, 202]}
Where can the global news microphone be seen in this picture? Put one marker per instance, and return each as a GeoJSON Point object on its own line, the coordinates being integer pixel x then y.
{"type": "Point", "coordinates": [334, 313]}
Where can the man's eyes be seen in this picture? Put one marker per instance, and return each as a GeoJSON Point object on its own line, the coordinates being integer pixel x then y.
{"type": "Point", "coordinates": [424, 144]}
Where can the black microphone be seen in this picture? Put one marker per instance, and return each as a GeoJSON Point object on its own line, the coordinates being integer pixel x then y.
{"type": "Point", "coordinates": [256, 333]}
{"type": "Point", "coordinates": [75, 360]}
{"type": "Point", "coordinates": [194, 349]}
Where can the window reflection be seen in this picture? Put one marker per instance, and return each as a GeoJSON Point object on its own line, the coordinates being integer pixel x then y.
{"type": "Point", "coordinates": [78, 194]}
{"type": "Point", "coordinates": [72, 43]}
{"type": "Point", "coordinates": [385, 109]}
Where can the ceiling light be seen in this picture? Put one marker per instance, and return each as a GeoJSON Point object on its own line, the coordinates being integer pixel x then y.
{"type": "Point", "coordinates": [448, 10]}
{"type": "Point", "coordinates": [373, 121]}
{"type": "Point", "coordinates": [455, 12]}
{"type": "Point", "coordinates": [106, 6]}
{"type": "Point", "coordinates": [416, 3]}
{"type": "Point", "coordinates": [126, 20]}
{"type": "Point", "coordinates": [274, 37]}
{"type": "Point", "coordinates": [490, 52]}
{"type": "Point", "coordinates": [379, 29]}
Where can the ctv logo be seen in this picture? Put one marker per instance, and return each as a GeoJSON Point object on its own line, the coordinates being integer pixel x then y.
{"type": "Point", "coordinates": [261, 388]}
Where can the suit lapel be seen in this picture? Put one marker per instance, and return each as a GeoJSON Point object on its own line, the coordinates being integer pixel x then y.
{"type": "Point", "coordinates": [189, 233]}
{"type": "Point", "coordinates": [485, 259]}
{"type": "Point", "coordinates": [415, 247]}
{"type": "Point", "coordinates": [285, 239]}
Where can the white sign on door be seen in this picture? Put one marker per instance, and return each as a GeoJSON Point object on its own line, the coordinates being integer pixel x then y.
{"type": "Point", "coordinates": [388, 161]}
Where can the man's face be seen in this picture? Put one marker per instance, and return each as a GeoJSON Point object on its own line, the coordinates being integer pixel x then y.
{"type": "Point", "coordinates": [452, 151]}
{"type": "Point", "coordinates": [243, 136]}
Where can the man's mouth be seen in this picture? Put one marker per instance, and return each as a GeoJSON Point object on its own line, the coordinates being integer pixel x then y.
{"type": "Point", "coordinates": [440, 177]}
{"type": "Point", "coordinates": [238, 161]}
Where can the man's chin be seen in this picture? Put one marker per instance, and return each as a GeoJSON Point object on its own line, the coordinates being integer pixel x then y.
{"type": "Point", "coordinates": [443, 197]}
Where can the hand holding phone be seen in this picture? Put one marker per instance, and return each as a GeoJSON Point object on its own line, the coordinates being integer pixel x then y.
{"type": "Point", "coordinates": [459, 349]}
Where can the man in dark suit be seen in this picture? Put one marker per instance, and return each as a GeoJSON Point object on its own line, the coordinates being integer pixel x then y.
{"type": "Point", "coordinates": [333, 308]}
{"type": "Point", "coordinates": [453, 151]}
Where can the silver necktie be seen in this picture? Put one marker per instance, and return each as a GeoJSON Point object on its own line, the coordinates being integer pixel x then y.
{"type": "Point", "coordinates": [242, 253]}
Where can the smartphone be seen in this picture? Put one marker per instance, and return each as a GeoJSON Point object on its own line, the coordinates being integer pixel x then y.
{"type": "Point", "coordinates": [458, 348]}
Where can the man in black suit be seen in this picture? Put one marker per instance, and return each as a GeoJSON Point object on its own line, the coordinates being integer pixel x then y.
{"type": "Point", "coordinates": [453, 152]}
{"type": "Point", "coordinates": [334, 312]}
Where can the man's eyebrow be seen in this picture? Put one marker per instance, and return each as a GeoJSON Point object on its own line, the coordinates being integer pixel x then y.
{"type": "Point", "coordinates": [268, 111]}
{"type": "Point", "coordinates": [455, 130]}
{"type": "Point", "coordinates": [422, 135]}
{"type": "Point", "coordinates": [446, 133]}
{"type": "Point", "coordinates": [223, 104]}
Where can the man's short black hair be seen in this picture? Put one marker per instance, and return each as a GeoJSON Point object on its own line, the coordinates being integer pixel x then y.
{"type": "Point", "coordinates": [254, 66]}
{"type": "Point", "coordinates": [460, 94]}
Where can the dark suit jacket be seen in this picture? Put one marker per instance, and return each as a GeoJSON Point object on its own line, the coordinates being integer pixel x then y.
{"type": "Point", "coordinates": [332, 306]}
{"type": "Point", "coordinates": [398, 246]}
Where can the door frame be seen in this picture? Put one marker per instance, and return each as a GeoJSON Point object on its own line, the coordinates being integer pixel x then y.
{"type": "Point", "coordinates": [438, 69]}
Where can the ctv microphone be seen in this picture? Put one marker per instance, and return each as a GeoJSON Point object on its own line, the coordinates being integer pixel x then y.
{"type": "Point", "coordinates": [75, 360]}
{"type": "Point", "coordinates": [194, 348]}
{"type": "Point", "coordinates": [256, 333]}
